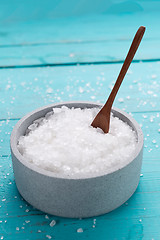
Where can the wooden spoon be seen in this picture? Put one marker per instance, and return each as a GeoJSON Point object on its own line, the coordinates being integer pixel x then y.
{"type": "Point", "coordinates": [102, 120]}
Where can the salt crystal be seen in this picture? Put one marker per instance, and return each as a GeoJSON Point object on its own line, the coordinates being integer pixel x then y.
{"type": "Point", "coordinates": [17, 228]}
{"type": "Point", "coordinates": [27, 221]}
{"type": "Point", "coordinates": [71, 54]}
{"type": "Point", "coordinates": [80, 230]}
{"type": "Point", "coordinates": [93, 97]}
{"type": "Point", "coordinates": [121, 100]}
{"type": "Point", "coordinates": [129, 72]}
{"type": "Point", "coordinates": [153, 141]}
{"type": "Point", "coordinates": [81, 90]}
{"type": "Point", "coordinates": [154, 76]}
{"type": "Point", "coordinates": [152, 118]}
{"type": "Point", "coordinates": [50, 148]}
{"type": "Point", "coordinates": [48, 236]}
{"type": "Point", "coordinates": [141, 175]}
{"type": "Point", "coordinates": [150, 92]}
{"type": "Point", "coordinates": [46, 217]}
{"type": "Point", "coordinates": [8, 86]}
{"type": "Point", "coordinates": [52, 223]}
{"type": "Point", "coordinates": [33, 126]}
{"type": "Point", "coordinates": [49, 90]}
{"type": "Point", "coordinates": [48, 115]}
{"type": "Point", "coordinates": [144, 116]}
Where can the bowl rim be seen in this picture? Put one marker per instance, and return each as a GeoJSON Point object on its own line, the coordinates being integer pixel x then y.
{"type": "Point", "coordinates": [32, 167]}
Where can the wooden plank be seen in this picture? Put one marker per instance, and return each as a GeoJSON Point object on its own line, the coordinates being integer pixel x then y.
{"type": "Point", "coordinates": [77, 29]}
{"type": "Point", "coordinates": [23, 90]}
{"type": "Point", "coordinates": [97, 38]}
{"type": "Point", "coordinates": [52, 9]}
{"type": "Point", "coordinates": [80, 52]}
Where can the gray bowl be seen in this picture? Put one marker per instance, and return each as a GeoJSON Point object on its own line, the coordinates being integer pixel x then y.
{"type": "Point", "coordinates": [75, 198]}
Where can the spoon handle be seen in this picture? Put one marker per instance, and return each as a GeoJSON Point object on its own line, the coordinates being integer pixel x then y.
{"type": "Point", "coordinates": [133, 48]}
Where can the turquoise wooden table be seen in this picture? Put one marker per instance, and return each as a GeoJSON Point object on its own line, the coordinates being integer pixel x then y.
{"type": "Point", "coordinates": [72, 50]}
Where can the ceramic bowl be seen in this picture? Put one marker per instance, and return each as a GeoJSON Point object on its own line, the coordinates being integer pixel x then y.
{"type": "Point", "coordinates": [75, 198]}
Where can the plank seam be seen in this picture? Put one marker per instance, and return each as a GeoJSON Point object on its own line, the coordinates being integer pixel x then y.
{"type": "Point", "coordinates": [77, 63]}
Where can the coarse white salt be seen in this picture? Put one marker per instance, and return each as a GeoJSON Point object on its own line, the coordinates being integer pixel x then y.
{"type": "Point", "coordinates": [64, 143]}
{"type": "Point", "coordinates": [52, 223]}
{"type": "Point", "coordinates": [80, 230]}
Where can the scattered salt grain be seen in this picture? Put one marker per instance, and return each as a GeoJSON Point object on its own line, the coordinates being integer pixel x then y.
{"type": "Point", "coordinates": [52, 223]}
{"type": "Point", "coordinates": [81, 90]}
{"type": "Point", "coordinates": [154, 76]}
{"type": "Point", "coordinates": [81, 150]}
{"type": "Point", "coordinates": [121, 100]}
{"type": "Point", "coordinates": [27, 221]}
{"type": "Point", "coordinates": [94, 223]}
{"type": "Point", "coordinates": [17, 228]}
{"type": "Point", "coordinates": [48, 236]}
{"type": "Point", "coordinates": [93, 97]}
{"type": "Point", "coordinates": [49, 90]}
{"type": "Point", "coordinates": [144, 116]}
{"type": "Point", "coordinates": [80, 230]}
{"type": "Point", "coordinates": [150, 92]}
{"type": "Point", "coordinates": [46, 217]}
{"type": "Point", "coordinates": [71, 55]}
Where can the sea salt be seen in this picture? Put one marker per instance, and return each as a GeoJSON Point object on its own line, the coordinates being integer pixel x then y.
{"type": "Point", "coordinates": [65, 144]}
{"type": "Point", "coordinates": [80, 230]}
{"type": "Point", "coordinates": [52, 223]}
